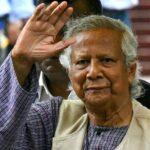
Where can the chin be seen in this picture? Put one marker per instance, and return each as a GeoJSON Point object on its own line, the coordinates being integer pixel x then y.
{"type": "Point", "coordinates": [96, 100]}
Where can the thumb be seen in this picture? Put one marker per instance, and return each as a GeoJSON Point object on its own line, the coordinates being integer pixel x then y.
{"type": "Point", "coordinates": [60, 46]}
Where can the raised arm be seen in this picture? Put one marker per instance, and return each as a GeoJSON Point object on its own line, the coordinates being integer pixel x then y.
{"type": "Point", "coordinates": [18, 82]}
{"type": "Point", "coordinates": [36, 41]}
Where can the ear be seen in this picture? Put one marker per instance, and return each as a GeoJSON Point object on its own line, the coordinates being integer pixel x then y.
{"type": "Point", "coordinates": [131, 72]}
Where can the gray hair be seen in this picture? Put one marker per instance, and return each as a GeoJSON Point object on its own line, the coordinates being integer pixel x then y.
{"type": "Point", "coordinates": [129, 43]}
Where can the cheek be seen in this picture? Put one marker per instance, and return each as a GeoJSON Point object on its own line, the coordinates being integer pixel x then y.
{"type": "Point", "coordinates": [119, 81]}
{"type": "Point", "coordinates": [77, 79]}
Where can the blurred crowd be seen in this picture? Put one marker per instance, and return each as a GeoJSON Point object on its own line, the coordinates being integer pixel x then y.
{"type": "Point", "coordinates": [14, 14]}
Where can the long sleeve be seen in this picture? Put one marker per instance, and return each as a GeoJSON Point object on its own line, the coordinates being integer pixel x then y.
{"type": "Point", "coordinates": [15, 102]}
{"type": "Point", "coordinates": [39, 129]}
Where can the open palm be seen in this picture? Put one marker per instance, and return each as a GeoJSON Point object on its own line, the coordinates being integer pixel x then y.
{"type": "Point", "coordinates": [36, 41]}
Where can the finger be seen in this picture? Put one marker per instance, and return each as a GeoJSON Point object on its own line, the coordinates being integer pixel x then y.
{"type": "Point", "coordinates": [63, 19]}
{"type": "Point", "coordinates": [37, 11]}
{"type": "Point", "coordinates": [57, 12]}
{"type": "Point", "coordinates": [61, 45]}
{"type": "Point", "coordinates": [45, 13]}
{"type": "Point", "coordinates": [53, 50]}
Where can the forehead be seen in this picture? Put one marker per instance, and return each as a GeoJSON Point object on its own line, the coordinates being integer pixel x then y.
{"type": "Point", "coordinates": [100, 40]}
{"type": "Point", "coordinates": [102, 34]}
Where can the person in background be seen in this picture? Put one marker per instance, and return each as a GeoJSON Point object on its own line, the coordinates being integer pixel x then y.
{"type": "Point", "coordinates": [104, 72]}
{"type": "Point", "coordinates": [119, 9]}
{"type": "Point", "coordinates": [53, 73]}
{"type": "Point", "coordinates": [3, 40]}
{"type": "Point", "coordinates": [13, 15]}
{"type": "Point", "coordinates": [18, 80]}
{"type": "Point", "coordinates": [144, 99]}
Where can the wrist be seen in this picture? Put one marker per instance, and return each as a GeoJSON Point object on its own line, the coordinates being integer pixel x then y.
{"type": "Point", "coordinates": [22, 67]}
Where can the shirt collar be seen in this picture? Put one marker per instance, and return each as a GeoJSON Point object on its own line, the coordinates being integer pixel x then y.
{"type": "Point", "coordinates": [43, 86]}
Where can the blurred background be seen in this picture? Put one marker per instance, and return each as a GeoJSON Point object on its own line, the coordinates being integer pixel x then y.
{"type": "Point", "coordinates": [140, 17]}
{"type": "Point", "coordinates": [15, 15]}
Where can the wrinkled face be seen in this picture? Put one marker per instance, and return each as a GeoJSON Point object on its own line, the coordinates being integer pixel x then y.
{"type": "Point", "coordinates": [98, 72]}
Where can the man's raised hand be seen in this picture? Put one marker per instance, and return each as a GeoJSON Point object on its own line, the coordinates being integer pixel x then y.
{"type": "Point", "coordinates": [36, 41]}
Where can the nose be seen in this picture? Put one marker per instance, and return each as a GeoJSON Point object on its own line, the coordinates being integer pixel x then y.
{"type": "Point", "coordinates": [94, 70]}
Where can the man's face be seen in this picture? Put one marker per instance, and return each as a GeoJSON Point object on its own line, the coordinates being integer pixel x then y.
{"type": "Point", "coordinates": [98, 72]}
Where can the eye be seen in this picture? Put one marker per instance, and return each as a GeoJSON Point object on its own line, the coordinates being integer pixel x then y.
{"type": "Point", "coordinates": [108, 61]}
{"type": "Point", "coordinates": [82, 63]}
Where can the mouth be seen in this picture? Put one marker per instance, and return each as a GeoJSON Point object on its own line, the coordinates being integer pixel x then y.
{"type": "Point", "coordinates": [97, 89]}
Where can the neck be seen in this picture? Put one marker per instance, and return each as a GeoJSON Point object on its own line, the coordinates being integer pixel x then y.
{"type": "Point", "coordinates": [112, 117]}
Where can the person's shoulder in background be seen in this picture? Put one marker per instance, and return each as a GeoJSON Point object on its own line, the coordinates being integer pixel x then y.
{"type": "Point", "coordinates": [145, 98]}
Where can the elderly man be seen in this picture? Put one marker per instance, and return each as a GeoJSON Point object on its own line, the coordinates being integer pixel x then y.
{"type": "Point", "coordinates": [103, 69]}
{"type": "Point", "coordinates": [53, 73]}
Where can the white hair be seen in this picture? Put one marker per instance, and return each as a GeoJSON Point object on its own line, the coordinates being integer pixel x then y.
{"type": "Point", "coordinates": [129, 43]}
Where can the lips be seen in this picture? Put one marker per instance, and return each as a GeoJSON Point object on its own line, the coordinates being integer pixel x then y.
{"type": "Point", "coordinates": [95, 88]}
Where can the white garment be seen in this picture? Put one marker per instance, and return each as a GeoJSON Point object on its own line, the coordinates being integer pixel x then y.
{"type": "Point", "coordinates": [71, 132]}
{"type": "Point", "coordinates": [44, 94]}
{"type": "Point", "coordinates": [119, 4]}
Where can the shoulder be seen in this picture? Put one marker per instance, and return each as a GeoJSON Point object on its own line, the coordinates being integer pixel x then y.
{"type": "Point", "coordinates": [140, 110]}
{"type": "Point", "coordinates": [139, 127]}
{"type": "Point", "coordinates": [46, 107]}
{"type": "Point", "coordinates": [73, 109]}
{"type": "Point", "coordinates": [72, 105]}
{"type": "Point", "coordinates": [141, 114]}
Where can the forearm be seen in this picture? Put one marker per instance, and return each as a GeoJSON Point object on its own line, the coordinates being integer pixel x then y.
{"type": "Point", "coordinates": [15, 102]}
{"type": "Point", "coordinates": [22, 68]}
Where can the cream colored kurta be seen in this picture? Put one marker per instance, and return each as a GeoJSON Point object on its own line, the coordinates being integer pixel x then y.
{"type": "Point", "coordinates": [73, 122]}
